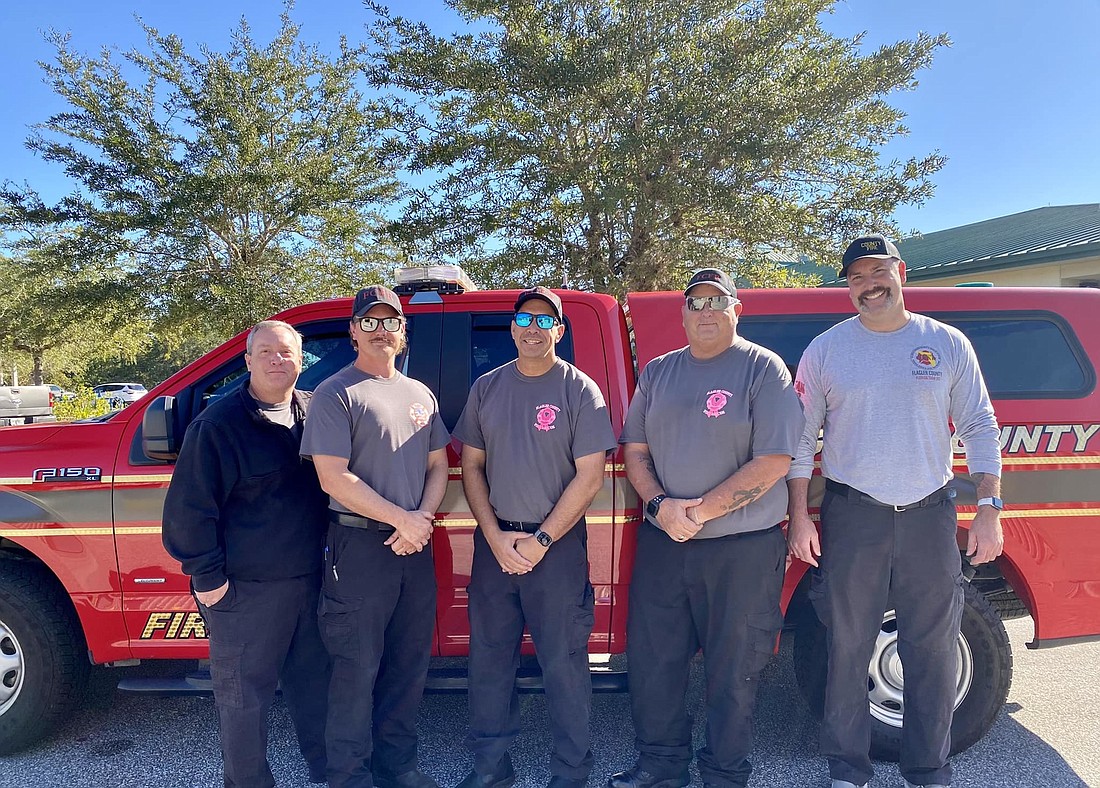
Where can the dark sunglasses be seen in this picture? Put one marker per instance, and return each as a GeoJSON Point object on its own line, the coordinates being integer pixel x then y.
{"type": "Point", "coordinates": [390, 324]}
{"type": "Point", "coordinates": [524, 319]}
{"type": "Point", "coordinates": [718, 303]}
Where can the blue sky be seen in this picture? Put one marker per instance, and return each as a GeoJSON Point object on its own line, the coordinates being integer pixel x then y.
{"type": "Point", "coordinates": [1014, 103]}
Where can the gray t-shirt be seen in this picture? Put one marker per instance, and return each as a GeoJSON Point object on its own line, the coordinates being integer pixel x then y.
{"type": "Point", "coordinates": [532, 430]}
{"type": "Point", "coordinates": [885, 398]}
{"type": "Point", "coordinates": [705, 419]}
{"type": "Point", "coordinates": [385, 427]}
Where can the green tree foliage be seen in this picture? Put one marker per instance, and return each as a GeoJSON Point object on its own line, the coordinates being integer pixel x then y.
{"type": "Point", "coordinates": [66, 314]}
{"type": "Point", "coordinates": [617, 145]}
{"type": "Point", "coordinates": [236, 183]}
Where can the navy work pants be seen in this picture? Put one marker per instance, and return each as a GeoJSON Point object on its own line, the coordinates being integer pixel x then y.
{"type": "Point", "coordinates": [721, 595]}
{"type": "Point", "coordinates": [263, 633]}
{"type": "Point", "coordinates": [874, 558]}
{"type": "Point", "coordinates": [555, 601]}
{"type": "Point", "coordinates": [377, 615]}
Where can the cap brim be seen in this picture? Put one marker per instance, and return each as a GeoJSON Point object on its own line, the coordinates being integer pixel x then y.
{"type": "Point", "coordinates": [712, 284]}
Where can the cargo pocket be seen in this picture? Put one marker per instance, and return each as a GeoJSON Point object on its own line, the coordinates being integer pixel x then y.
{"type": "Point", "coordinates": [761, 632]}
{"type": "Point", "coordinates": [584, 619]}
{"type": "Point", "coordinates": [339, 627]}
{"type": "Point", "coordinates": [226, 664]}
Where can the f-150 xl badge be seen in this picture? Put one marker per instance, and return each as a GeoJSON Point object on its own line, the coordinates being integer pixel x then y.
{"type": "Point", "coordinates": [67, 474]}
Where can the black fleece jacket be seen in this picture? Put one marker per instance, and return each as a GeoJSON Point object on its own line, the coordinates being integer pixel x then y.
{"type": "Point", "coordinates": [243, 504]}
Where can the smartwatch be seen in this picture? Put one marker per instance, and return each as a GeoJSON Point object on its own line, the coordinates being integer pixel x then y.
{"type": "Point", "coordinates": [996, 503]}
{"type": "Point", "coordinates": [654, 505]}
{"type": "Point", "coordinates": [543, 538]}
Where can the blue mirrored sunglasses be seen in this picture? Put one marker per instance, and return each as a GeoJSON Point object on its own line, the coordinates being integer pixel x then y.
{"type": "Point", "coordinates": [524, 319]}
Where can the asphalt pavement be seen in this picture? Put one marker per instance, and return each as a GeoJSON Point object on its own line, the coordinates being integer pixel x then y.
{"type": "Point", "coordinates": [1046, 736]}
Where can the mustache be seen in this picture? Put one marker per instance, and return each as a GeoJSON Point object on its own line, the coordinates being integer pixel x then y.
{"type": "Point", "coordinates": [871, 293]}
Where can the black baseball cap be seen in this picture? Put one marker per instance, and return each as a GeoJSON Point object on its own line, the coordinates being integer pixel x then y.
{"type": "Point", "coordinates": [542, 293]}
{"type": "Point", "coordinates": [375, 294]}
{"type": "Point", "coordinates": [876, 245]}
{"type": "Point", "coordinates": [712, 276]}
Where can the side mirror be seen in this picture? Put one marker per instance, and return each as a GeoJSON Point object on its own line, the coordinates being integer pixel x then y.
{"type": "Point", "coordinates": [160, 436]}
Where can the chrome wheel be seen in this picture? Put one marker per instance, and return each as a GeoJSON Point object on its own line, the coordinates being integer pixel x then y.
{"type": "Point", "coordinates": [885, 678]}
{"type": "Point", "coordinates": [11, 668]}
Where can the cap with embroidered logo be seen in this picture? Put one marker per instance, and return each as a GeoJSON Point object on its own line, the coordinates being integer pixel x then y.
{"type": "Point", "coordinates": [375, 294]}
{"type": "Point", "coordinates": [712, 276]}
{"type": "Point", "coordinates": [876, 245]}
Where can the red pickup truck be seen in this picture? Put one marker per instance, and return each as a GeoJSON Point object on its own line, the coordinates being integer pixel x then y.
{"type": "Point", "coordinates": [84, 579]}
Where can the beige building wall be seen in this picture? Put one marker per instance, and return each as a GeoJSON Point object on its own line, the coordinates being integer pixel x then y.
{"type": "Point", "coordinates": [1049, 275]}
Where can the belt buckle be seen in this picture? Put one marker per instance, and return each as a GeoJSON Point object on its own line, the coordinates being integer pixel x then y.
{"type": "Point", "coordinates": [900, 508]}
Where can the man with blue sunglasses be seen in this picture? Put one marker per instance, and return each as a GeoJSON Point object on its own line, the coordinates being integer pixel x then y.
{"type": "Point", "coordinates": [535, 432]}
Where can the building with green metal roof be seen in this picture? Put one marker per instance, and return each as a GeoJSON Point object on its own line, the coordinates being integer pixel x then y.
{"type": "Point", "coordinates": [1056, 246]}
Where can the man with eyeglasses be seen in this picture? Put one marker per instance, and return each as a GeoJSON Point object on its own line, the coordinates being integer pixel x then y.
{"type": "Point", "coordinates": [535, 435]}
{"type": "Point", "coordinates": [245, 516]}
{"type": "Point", "coordinates": [886, 386]}
{"type": "Point", "coordinates": [710, 431]}
{"type": "Point", "coordinates": [380, 448]}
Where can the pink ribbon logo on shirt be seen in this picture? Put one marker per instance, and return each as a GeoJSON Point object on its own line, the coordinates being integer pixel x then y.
{"type": "Point", "coordinates": [545, 417]}
{"type": "Point", "coordinates": [716, 402]}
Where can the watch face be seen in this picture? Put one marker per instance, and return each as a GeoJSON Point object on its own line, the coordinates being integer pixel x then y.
{"type": "Point", "coordinates": [654, 506]}
{"type": "Point", "coordinates": [544, 538]}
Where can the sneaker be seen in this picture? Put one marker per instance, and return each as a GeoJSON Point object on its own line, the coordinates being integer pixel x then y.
{"type": "Point", "coordinates": [846, 784]}
{"type": "Point", "coordinates": [504, 776]}
{"type": "Point", "coordinates": [928, 785]}
{"type": "Point", "coordinates": [410, 779]}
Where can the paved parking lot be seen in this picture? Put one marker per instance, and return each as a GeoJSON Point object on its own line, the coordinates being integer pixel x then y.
{"type": "Point", "coordinates": [1046, 735]}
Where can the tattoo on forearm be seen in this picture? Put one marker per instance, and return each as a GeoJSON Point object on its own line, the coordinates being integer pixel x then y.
{"type": "Point", "coordinates": [739, 498]}
{"type": "Point", "coordinates": [647, 464]}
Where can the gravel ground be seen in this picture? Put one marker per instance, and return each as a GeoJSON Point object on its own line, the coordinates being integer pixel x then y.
{"type": "Point", "coordinates": [1046, 735]}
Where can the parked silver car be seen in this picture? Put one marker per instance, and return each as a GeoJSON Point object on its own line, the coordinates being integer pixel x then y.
{"type": "Point", "coordinates": [119, 395]}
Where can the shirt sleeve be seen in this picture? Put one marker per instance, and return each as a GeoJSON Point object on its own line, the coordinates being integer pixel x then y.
{"type": "Point", "coordinates": [468, 428]}
{"type": "Point", "coordinates": [809, 388]}
{"type": "Point", "coordinates": [972, 413]}
{"type": "Point", "coordinates": [328, 425]}
{"type": "Point", "coordinates": [634, 425]}
{"type": "Point", "coordinates": [776, 413]}
{"type": "Point", "coordinates": [592, 432]}
{"type": "Point", "coordinates": [439, 437]}
{"type": "Point", "coordinates": [191, 529]}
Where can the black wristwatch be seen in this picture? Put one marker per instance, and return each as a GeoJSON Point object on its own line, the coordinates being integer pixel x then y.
{"type": "Point", "coordinates": [543, 538]}
{"type": "Point", "coordinates": [654, 505]}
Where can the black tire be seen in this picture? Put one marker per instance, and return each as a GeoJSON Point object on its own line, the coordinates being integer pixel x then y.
{"type": "Point", "coordinates": [985, 691]}
{"type": "Point", "coordinates": [43, 662]}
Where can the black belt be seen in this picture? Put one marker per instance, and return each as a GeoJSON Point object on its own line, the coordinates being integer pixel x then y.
{"type": "Point", "coordinates": [852, 494]}
{"type": "Point", "coordinates": [514, 525]}
{"type": "Point", "coordinates": [358, 521]}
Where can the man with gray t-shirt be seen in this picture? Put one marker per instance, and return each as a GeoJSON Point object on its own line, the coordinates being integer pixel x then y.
{"type": "Point", "coordinates": [380, 449]}
{"type": "Point", "coordinates": [886, 385]}
{"type": "Point", "coordinates": [711, 428]}
{"type": "Point", "coordinates": [535, 432]}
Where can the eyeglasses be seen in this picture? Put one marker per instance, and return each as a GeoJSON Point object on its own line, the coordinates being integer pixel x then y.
{"type": "Point", "coordinates": [390, 324]}
{"type": "Point", "coordinates": [524, 319]}
{"type": "Point", "coordinates": [718, 303]}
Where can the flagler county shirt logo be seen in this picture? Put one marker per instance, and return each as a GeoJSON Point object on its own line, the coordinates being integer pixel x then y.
{"type": "Point", "coordinates": [927, 363]}
{"type": "Point", "coordinates": [716, 402]}
{"type": "Point", "coordinates": [545, 416]}
{"type": "Point", "coordinates": [419, 415]}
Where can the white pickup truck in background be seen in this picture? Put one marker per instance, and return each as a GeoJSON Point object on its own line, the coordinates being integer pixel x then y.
{"type": "Point", "coordinates": [25, 405]}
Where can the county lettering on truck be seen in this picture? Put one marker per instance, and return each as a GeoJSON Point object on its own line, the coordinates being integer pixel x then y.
{"type": "Point", "coordinates": [85, 581]}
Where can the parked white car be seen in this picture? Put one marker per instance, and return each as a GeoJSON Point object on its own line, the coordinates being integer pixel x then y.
{"type": "Point", "coordinates": [120, 394]}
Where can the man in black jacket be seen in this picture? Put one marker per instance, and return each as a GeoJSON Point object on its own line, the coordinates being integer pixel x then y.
{"type": "Point", "coordinates": [245, 516]}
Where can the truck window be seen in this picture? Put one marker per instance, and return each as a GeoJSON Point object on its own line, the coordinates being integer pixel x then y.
{"type": "Point", "coordinates": [1056, 366]}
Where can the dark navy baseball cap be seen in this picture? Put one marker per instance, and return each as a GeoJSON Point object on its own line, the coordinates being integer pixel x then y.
{"type": "Point", "coordinates": [876, 245]}
{"type": "Point", "coordinates": [712, 276]}
{"type": "Point", "coordinates": [375, 294]}
{"type": "Point", "coordinates": [543, 294]}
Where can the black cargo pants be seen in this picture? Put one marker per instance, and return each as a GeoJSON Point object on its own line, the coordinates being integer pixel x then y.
{"type": "Point", "coordinates": [721, 595]}
{"type": "Point", "coordinates": [874, 558]}
{"type": "Point", "coordinates": [263, 633]}
{"type": "Point", "coordinates": [377, 616]}
{"type": "Point", "coordinates": [555, 601]}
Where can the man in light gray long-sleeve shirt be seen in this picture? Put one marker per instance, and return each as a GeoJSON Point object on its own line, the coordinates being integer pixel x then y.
{"type": "Point", "coordinates": [885, 386]}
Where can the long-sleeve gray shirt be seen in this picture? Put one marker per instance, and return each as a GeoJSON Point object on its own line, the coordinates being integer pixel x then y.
{"type": "Point", "coordinates": [885, 400]}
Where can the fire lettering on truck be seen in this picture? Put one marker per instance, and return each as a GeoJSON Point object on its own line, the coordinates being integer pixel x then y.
{"type": "Point", "coordinates": [1045, 439]}
{"type": "Point", "coordinates": [178, 625]}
